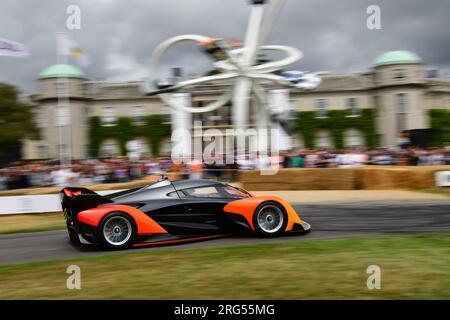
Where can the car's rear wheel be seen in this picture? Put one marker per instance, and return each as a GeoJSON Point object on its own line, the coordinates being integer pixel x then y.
{"type": "Point", "coordinates": [270, 219]}
{"type": "Point", "coordinates": [117, 231]}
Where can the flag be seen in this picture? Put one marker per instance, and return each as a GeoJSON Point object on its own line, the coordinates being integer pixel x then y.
{"type": "Point", "coordinates": [12, 49]}
{"type": "Point", "coordinates": [69, 47]}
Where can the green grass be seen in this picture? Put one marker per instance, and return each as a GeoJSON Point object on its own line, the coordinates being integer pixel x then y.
{"type": "Point", "coordinates": [31, 222]}
{"type": "Point", "coordinates": [442, 191]}
{"type": "Point", "coordinates": [413, 267]}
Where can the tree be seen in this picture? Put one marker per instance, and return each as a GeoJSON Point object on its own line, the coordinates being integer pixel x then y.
{"type": "Point", "coordinates": [16, 121]}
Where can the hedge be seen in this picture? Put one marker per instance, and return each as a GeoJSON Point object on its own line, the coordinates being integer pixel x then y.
{"type": "Point", "coordinates": [337, 121]}
{"type": "Point", "coordinates": [154, 130]}
{"type": "Point", "coordinates": [440, 127]}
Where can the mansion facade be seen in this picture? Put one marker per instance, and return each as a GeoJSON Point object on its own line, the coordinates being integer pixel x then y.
{"type": "Point", "coordinates": [398, 89]}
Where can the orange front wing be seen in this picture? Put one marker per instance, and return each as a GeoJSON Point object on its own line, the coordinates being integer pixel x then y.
{"type": "Point", "coordinates": [246, 207]}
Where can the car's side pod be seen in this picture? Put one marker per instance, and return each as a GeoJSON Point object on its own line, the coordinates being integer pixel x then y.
{"type": "Point", "coordinates": [145, 224]}
{"type": "Point", "coordinates": [246, 207]}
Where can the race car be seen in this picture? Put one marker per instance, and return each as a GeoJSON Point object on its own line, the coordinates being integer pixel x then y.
{"type": "Point", "coordinates": [170, 212]}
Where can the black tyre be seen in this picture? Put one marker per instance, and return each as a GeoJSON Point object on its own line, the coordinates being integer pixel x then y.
{"type": "Point", "coordinates": [73, 236]}
{"type": "Point", "coordinates": [270, 219]}
{"type": "Point", "coordinates": [117, 231]}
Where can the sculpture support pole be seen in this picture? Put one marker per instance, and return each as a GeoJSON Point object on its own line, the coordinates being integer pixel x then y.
{"type": "Point", "coordinates": [243, 85]}
{"type": "Point", "coordinates": [262, 126]}
{"type": "Point", "coordinates": [263, 121]}
{"type": "Point", "coordinates": [181, 126]}
{"type": "Point", "coordinates": [270, 23]}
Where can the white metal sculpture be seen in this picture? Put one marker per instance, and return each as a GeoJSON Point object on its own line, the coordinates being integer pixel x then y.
{"type": "Point", "coordinates": [238, 69]}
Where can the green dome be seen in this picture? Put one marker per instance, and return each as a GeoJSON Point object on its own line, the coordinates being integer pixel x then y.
{"type": "Point", "coordinates": [397, 57]}
{"type": "Point", "coordinates": [61, 70]}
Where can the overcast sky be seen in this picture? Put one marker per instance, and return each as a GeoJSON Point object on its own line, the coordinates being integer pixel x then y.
{"type": "Point", "coordinates": [121, 35]}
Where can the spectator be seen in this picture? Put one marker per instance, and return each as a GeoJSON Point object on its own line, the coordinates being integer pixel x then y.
{"type": "Point", "coordinates": [3, 181]}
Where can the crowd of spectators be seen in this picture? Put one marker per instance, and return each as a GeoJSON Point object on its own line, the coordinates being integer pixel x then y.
{"type": "Point", "coordinates": [121, 169]}
{"type": "Point", "coordinates": [355, 157]}
{"type": "Point", "coordinates": [92, 171]}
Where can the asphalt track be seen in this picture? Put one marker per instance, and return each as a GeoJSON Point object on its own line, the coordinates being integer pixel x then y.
{"type": "Point", "coordinates": [328, 220]}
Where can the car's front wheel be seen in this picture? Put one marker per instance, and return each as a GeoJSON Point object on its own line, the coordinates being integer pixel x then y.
{"type": "Point", "coordinates": [270, 219]}
{"type": "Point", "coordinates": [117, 231]}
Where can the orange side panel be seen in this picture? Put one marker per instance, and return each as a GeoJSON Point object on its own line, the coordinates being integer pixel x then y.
{"type": "Point", "coordinates": [246, 207]}
{"type": "Point", "coordinates": [144, 223]}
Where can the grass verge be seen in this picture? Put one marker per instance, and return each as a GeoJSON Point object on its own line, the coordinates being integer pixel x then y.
{"type": "Point", "coordinates": [31, 222]}
{"type": "Point", "coordinates": [441, 191]}
{"type": "Point", "coordinates": [412, 267]}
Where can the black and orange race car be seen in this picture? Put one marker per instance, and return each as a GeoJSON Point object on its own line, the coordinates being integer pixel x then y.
{"type": "Point", "coordinates": [169, 212]}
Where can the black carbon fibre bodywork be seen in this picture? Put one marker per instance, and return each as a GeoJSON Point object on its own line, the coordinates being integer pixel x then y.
{"type": "Point", "coordinates": [167, 204]}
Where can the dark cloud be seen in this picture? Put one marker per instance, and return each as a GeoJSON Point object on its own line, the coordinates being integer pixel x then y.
{"type": "Point", "coordinates": [120, 35]}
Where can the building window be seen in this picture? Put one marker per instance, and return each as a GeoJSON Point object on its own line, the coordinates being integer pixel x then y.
{"type": "Point", "coordinates": [298, 141]}
{"type": "Point", "coordinates": [62, 116]}
{"type": "Point", "coordinates": [109, 148]}
{"type": "Point", "coordinates": [378, 76]}
{"type": "Point", "coordinates": [138, 115]}
{"type": "Point", "coordinates": [381, 140]}
{"type": "Point", "coordinates": [63, 151]}
{"type": "Point", "coordinates": [42, 152]}
{"type": "Point", "coordinates": [82, 87]}
{"type": "Point", "coordinates": [431, 74]}
{"type": "Point", "coordinates": [41, 117]}
{"type": "Point", "coordinates": [323, 139]}
{"type": "Point", "coordinates": [137, 147]}
{"type": "Point", "coordinates": [377, 106]}
{"type": "Point", "coordinates": [401, 103]}
{"type": "Point", "coordinates": [61, 87]}
{"type": "Point", "coordinates": [353, 138]}
{"type": "Point", "coordinates": [84, 116]}
{"type": "Point", "coordinates": [352, 105]}
{"type": "Point", "coordinates": [321, 108]}
{"type": "Point", "coordinates": [87, 150]}
{"type": "Point", "coordinates": [401, 110]}
{"type": "Point", "coordinates": [109, 116]}
{"type": "Point", "coordinates": [88, 88]}
{"type": "Point", "coordinates": [400, 74]}
{"type": "Point", "coordinates": [167, 118]}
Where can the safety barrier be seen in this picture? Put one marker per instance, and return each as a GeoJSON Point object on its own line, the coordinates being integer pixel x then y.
{"type": "Point", "coordinates": [46, 200]}
{"type": "Point", "coordinates": [363, 178]}
{"type": "Point", "coordinates": [42, 203]}
{"type": "Point", "coordinates": [38, 200]}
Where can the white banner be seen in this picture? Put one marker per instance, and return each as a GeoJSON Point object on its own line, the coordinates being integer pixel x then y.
{"type": "Point", "coordinates": [44, 203]}
{"type": "Point", "coordinates": [443, 178]}
{"type": "Point", "coordinates": [12, 49]}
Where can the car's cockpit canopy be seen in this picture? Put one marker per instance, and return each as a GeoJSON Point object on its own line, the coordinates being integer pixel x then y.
{"type": "Point", "coordinates": [222, 191]}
